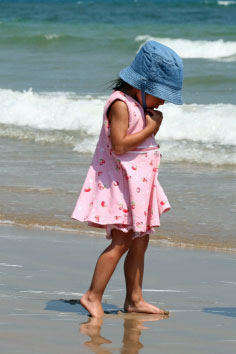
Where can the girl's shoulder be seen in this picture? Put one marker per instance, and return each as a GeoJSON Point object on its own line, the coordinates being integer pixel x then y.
{"type": "Point", "coordinates": [119, 95]}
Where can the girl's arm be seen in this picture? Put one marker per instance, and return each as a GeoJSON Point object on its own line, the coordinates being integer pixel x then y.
{"type": "Point", "coordinates": [122, 142]}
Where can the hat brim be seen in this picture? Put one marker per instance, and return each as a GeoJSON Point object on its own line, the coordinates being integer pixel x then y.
{"type": "Point", "coordinates": [153, 88]}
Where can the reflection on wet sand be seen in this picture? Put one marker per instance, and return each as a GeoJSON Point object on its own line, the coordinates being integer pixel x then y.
{"type": "Point", "coordinates": [133, 327]}
{"type": "Point", "coordinates": [93, 328]}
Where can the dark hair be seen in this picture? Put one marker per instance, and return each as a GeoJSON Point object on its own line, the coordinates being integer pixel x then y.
{"type": "Point", "coordinates": [119, 85]}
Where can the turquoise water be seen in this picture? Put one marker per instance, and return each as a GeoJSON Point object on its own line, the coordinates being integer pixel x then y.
{"type": "Point", "coordinates": [80, 46]}
{"type": "Point", "coordinates": [58, 58]}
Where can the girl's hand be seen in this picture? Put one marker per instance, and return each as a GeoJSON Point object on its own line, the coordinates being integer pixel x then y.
{"type": "Point", "coordinates": [153, 119]}
{"type": "Point", "coordinates": [121, 141]}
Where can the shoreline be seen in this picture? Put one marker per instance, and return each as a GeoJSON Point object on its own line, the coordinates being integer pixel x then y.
{"type": "Point", "coordinates": [163, 241]}
{"type": "Point", "coordinates": [49, 180]}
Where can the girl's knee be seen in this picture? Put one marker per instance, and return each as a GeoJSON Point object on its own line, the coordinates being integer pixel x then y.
{"type": "Point", "coordinates": [121, 241]}
{"type": "Point", "coordinates": [122, 249]}
{"type": "Point", "coordinates": [139, 244]}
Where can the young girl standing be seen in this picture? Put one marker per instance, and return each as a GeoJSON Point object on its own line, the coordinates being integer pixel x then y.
{"type": "Point", "coordinates": [121, 192]}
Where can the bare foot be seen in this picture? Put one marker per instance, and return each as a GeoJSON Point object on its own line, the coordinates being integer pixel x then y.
{"type": "Point", "coordinates": [144, 307]}
{"type": "Point", "coordinates": [94, 307]}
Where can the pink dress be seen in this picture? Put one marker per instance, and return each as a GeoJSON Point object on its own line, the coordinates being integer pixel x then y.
{"type": "Point", "coordinates": [122, 191]}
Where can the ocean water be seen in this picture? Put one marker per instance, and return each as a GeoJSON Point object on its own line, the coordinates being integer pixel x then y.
{"type": "Point", "coordinates": [57, 60]}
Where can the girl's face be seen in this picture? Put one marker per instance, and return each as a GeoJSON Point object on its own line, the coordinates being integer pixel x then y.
{"type": "Point", "coordinates": [151, 101]}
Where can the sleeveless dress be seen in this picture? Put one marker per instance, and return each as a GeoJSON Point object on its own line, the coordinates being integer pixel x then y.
{"type": "Point", "coordinates": [122, 191]}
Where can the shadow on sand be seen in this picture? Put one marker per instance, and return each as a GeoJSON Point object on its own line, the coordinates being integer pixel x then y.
{"type": "Point", "coordinates": [63, 305]}
{"type": "Point", "coordinates": [224, 311]}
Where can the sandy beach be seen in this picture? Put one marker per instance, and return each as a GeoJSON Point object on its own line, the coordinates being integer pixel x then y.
{"type": "Point", "coordinates": [43, 274]}
{"type": "Point", "coordinates": [58, 61]}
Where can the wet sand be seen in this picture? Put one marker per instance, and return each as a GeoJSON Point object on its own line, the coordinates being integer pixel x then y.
{"type": "Point", "coordinates": [44, 273]}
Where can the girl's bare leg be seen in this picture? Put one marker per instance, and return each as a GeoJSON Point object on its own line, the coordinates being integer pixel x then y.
{"type": "Point", "coordinates": [106, 264]}
{"type": "Point", "coordinates": [134, 268]}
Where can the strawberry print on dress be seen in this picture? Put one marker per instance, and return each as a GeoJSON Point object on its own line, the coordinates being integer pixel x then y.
{"type": "Point", "coordinates": [123, 191]}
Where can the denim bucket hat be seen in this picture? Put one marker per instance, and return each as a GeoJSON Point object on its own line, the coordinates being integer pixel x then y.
{"type": "Point", "coordinates": [157, 70]}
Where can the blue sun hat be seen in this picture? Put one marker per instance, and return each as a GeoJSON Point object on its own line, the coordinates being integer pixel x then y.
{"type": "Point", "coordinates": [157, 70]}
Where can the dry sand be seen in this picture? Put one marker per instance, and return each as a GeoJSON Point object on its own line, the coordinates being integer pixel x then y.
{"type": "Point", "coordinates": [43, 274]}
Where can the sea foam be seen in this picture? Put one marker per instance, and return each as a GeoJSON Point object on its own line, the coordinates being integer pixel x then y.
{"type": "Point", "coordinates": [201, 49]}
{"type": "Point", "coordinates": [194, 133]}
{"type": "Point", "coordinates": [226, 3]}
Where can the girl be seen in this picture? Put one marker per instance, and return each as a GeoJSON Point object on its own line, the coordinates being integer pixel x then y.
{"type": "Point", "coordinates": [121, 192]}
